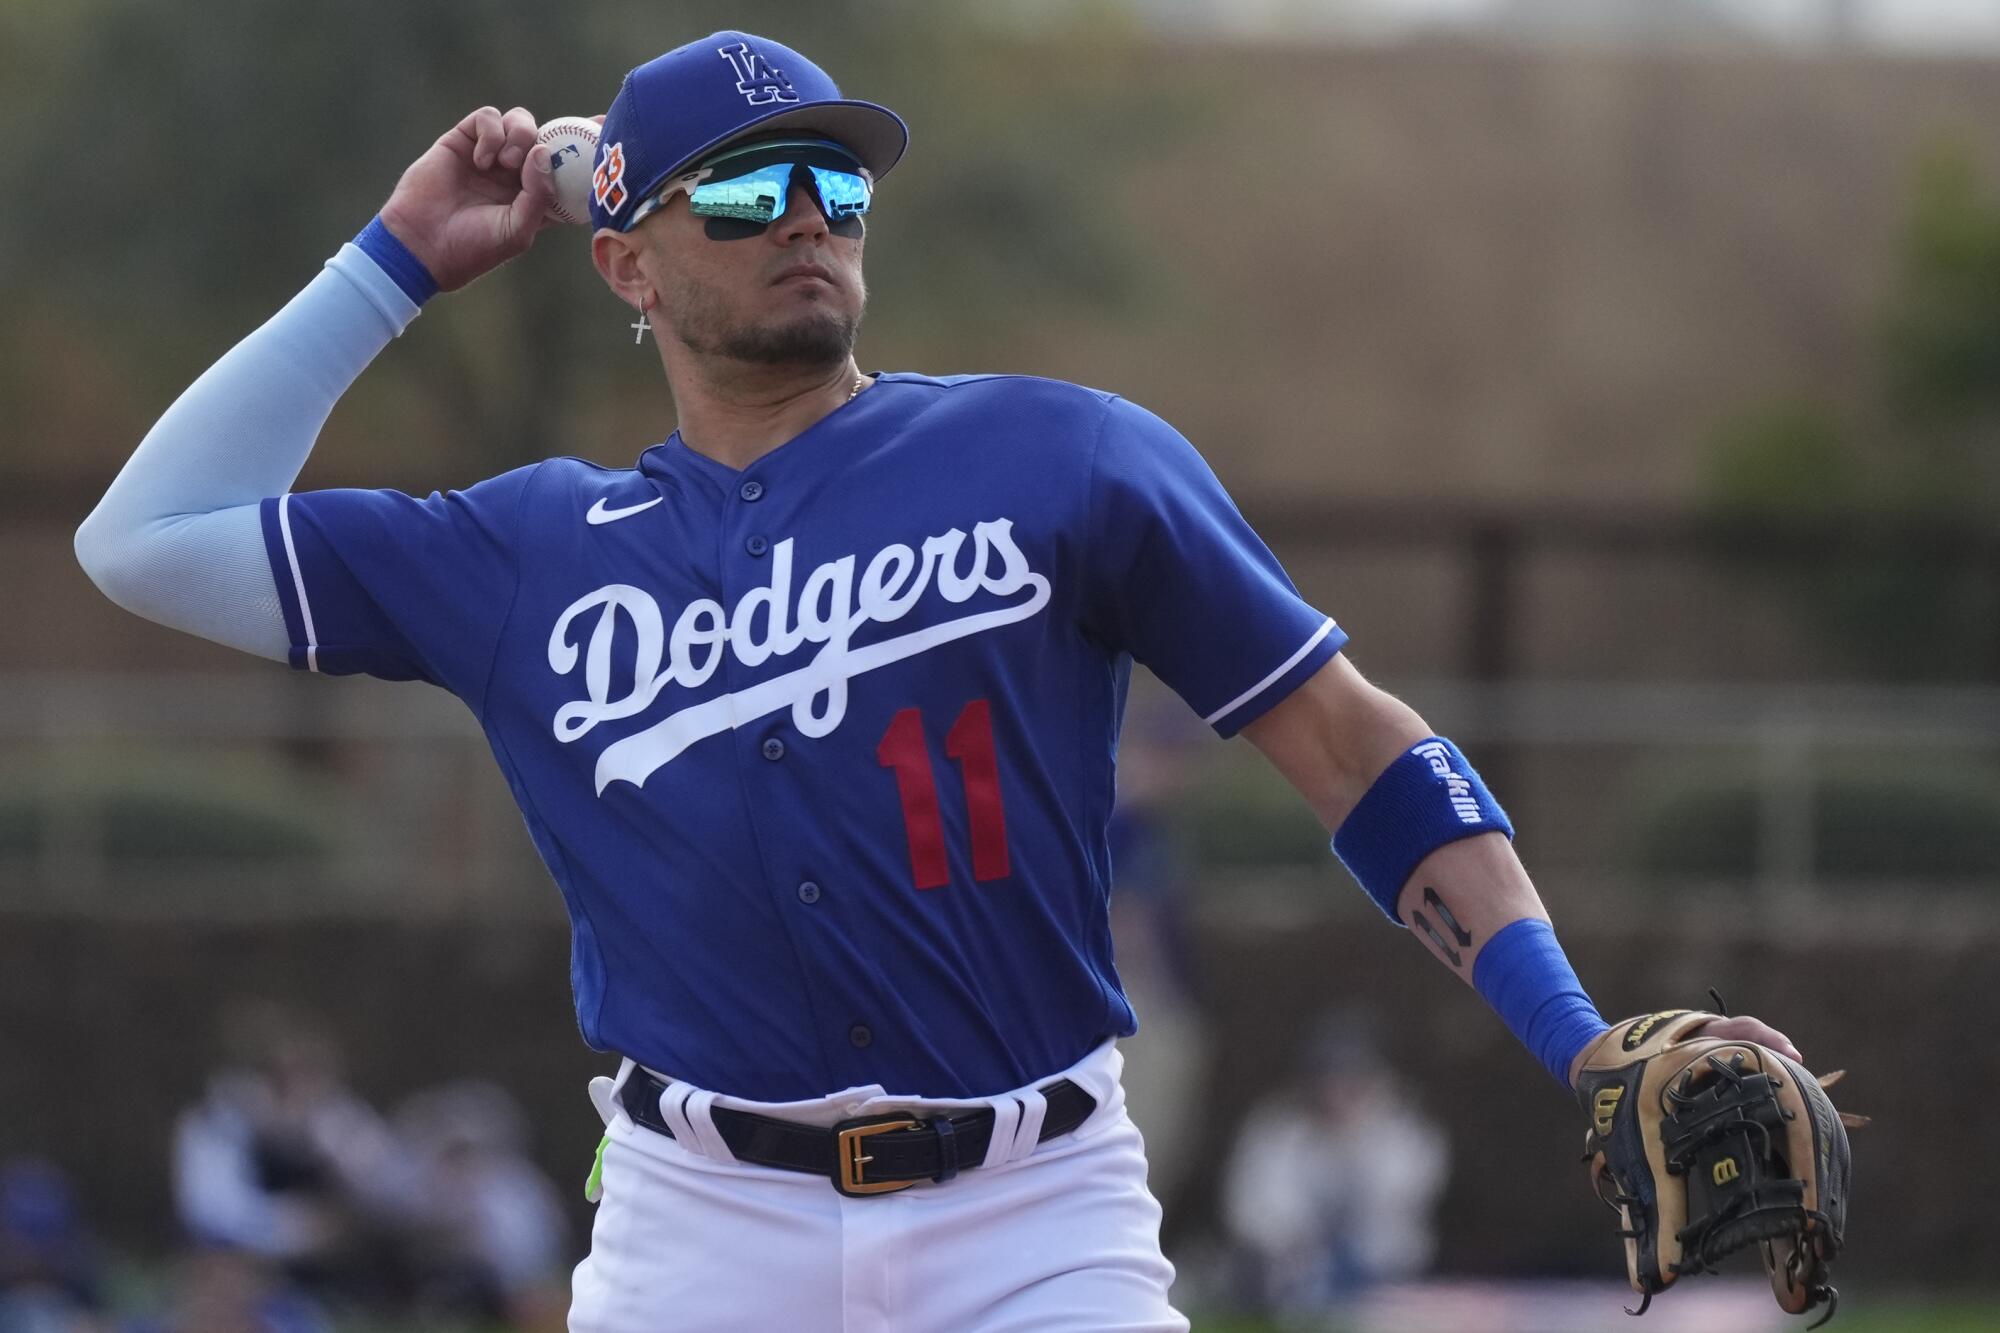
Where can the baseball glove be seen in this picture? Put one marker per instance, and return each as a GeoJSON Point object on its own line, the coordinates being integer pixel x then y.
{"type": "Point", "coordinates": [1705, 1147]}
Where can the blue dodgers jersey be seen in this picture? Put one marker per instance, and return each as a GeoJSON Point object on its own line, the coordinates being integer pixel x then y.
{"type": "Point", "coordinates": [821, 752]}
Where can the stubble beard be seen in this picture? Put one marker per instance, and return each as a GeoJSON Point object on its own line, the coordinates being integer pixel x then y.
{"type": "Point", "coordinates": [816, 338]}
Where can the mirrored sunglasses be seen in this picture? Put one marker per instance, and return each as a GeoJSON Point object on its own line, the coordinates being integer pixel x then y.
{"type": "Point", "coordinates": [752, 184]}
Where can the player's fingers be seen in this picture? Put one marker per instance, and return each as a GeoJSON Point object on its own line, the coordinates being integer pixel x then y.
{"type": "Point", "coordinates": [1745, 1028]}
{"type": "Point", "coordinates": [599, 119]}
{"type": "Point", "coordinates": [462, 137]}
{"type": "Point", "coordinates": [488, 136]}
{"type": "Point", "coordinates": [530, 208]}
{"type": "Point", "coordinates": [517, 130]}
{"type": "Point", "coordinates": [1779, 1042]}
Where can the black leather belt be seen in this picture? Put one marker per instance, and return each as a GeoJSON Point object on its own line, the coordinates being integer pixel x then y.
{"type": "Point", "coordinates": [870, 1155]}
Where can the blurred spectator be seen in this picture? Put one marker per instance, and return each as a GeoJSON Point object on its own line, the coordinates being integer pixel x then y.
{"type": "Point", "coordinates": [231, 1291]}
{"type": "Point", "coordinates": [282, 1161]}
{"type": "Point", "coordinates": [1332, 1185]}
{"type": "Point", "coordinates": [487, 1232]}
{"type": "Point", "coordinates": [49, 1280]}
{"type": "Point", "coordinates": [1166, 1061]}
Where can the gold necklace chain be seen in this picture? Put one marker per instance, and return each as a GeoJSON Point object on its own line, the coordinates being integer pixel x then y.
{"type": "Point", "coordinates": [860, 383]}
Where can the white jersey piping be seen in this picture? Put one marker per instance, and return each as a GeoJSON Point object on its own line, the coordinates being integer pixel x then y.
{"type": "Point", "coordinates": [1273, 678]}
{"type": "Point", "coordinates": [299, 582]}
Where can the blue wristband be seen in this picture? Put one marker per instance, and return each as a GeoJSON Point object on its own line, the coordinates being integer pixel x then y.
{"type": "Point", "coordinates": [1430, 796]}
{"type": "Point", "coordinates": [380, 244]}
{"type": "Point", "coordinates": [1523, 974]}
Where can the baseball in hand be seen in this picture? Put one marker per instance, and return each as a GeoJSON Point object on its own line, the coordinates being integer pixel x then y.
{"type": "Point", "coordinates": [572, 142]}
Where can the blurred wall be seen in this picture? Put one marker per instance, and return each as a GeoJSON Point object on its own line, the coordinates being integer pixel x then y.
{"type": "Point", "coordinates": [413, 1004]}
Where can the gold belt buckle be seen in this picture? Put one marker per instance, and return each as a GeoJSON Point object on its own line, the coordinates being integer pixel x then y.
{"type": "Point", "coordinates": [853, 1157]}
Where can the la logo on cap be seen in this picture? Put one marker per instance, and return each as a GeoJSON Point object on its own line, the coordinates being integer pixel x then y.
{"type": "Point", "coordinates": [760, 82]}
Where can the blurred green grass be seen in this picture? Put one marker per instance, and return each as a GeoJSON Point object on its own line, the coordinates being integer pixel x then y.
{"type": "Point", "coordinates": [1855, 1316]}
{"type": "Point", "coordinates": [1924, 1319]}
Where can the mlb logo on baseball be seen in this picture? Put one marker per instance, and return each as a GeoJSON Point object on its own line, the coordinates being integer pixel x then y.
{"type": "Point", "coordinates": [609, 179]}
{"type": "Point", "coordinates": [757, 78]}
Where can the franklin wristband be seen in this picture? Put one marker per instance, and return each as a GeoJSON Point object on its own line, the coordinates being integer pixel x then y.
{"type": "Point", "coordinates": [1523, 974]}
{"type": "Point", "coordinates": [1430, 796]}
{"type": "Point", "coordinates": [380, 244]}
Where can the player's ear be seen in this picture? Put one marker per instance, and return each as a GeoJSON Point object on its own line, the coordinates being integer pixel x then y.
{"type": "Point", "coordinates": [616, 255]}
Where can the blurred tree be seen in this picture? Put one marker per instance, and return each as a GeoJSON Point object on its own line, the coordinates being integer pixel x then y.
{"type": "Point", "coordinates": [1787, 455]}
{"type": "Point", "coordinates": [1866, 521]}
{"type": "Point", "coordinates": [248, 139]}
{"type": "Point", "coordinates": [1942, 341]}
{"type": "Point", "coordinates": [222, 150]}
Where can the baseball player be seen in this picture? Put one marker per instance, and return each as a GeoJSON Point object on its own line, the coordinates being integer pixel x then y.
{"type": "Point", "coordinates": [812, 714]}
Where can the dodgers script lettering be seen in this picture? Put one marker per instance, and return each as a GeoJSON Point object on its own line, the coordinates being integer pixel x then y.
{"type": "Point", "coordinates": [769, 622]}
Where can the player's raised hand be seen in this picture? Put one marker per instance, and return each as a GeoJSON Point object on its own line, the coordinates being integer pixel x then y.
{"type": "Point", "coordinates": [475, 199]}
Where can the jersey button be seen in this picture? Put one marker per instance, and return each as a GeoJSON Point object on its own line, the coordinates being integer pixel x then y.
{"type": "Point", "coordinates": [752, 491]}
{"type": "Point", "coordinates": [774, 748]}
{"type": "Point", "coordinates": [808, 892]}
{"type": "Point", "coordinates": [756, 545]}
{"type": "Point", "coordinates": [860, 1035]}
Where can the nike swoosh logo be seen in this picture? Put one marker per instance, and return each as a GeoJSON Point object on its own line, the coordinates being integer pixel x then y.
{"type": "Point", "coordinates": [599, 514]}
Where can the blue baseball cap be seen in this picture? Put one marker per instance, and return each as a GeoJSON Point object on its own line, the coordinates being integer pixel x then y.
{"type": "Point", "coordinates": [678, 108]}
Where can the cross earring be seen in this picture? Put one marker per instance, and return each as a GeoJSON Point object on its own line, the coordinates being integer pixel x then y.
{"type": "Point", "coordinates": [640, 328]}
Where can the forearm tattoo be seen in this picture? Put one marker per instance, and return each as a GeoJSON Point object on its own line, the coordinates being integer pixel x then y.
{"type": "Point", "coordinates": [1458, 933]}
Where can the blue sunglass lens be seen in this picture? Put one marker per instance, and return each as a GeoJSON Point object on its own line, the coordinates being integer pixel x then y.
{"type": "Point", "coordinates": [755, 196]}
{"type": "Point", "coordinates": [759, 195]}
{"type": "Point", "coordinates": [841, 193]}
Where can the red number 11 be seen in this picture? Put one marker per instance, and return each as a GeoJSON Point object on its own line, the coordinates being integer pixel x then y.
{"type": "Point", "coordinates": [970, 741]}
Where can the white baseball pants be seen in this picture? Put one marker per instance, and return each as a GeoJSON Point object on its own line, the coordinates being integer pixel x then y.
{"type": "Point", "coordinates": [1042, 1238]}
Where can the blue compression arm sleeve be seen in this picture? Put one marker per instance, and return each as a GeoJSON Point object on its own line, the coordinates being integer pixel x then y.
{"type": "Point", "coordinates": [177, 538]}
{"type": "Point", "coordinates": [1523, 974]}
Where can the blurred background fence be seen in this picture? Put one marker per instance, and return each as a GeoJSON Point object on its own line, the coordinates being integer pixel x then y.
{"type": "Point", "coordinates": [1552, 642]}
{"type": "Point", "coordinates": [267, 794]}
{"type": "Point", "coordinates": [1623, 374]}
